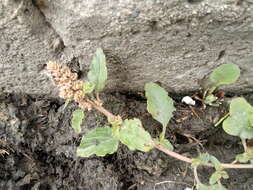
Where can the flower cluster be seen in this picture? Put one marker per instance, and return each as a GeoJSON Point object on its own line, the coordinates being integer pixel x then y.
{"type": "Point", "coordinates": [70, 87]}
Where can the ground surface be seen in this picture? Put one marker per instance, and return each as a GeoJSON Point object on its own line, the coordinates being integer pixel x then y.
{"type": "Point", "coordinates": [41, 144]}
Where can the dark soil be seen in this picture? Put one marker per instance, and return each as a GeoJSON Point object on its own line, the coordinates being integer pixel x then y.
{"type": "Point", "coordinates": [36, 133]}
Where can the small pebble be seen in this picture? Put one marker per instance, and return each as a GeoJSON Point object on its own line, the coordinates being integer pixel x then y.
{"type": "Point", "coordinates": [188, 100]}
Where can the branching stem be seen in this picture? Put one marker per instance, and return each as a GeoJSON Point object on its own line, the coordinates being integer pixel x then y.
{"type": "Point", "coordinates": [101, 109]}
{"type": "Point", "coordinates": [188, 160]}
{"type": "Point", "coordinates": [110, 116]}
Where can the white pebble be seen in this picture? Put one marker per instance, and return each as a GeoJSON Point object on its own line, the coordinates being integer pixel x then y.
{"type": "Point", "coordinates": [188, 100]}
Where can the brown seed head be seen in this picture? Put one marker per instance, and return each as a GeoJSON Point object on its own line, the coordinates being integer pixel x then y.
{"type": "Point", "coordinates": [78, 96]}
{"type": "Point", "coordinates": [53, 66]}
{"type": "Point", "coordinates": [65, 70]}
{"type": "Point", "coordinates": [85, 105]}
{"type": "Point", "coordinates": [66, 93]}
{"type": "Point", "coordinates": [73, 76]}
{"type": "Point", "coordinates": [77, 85]}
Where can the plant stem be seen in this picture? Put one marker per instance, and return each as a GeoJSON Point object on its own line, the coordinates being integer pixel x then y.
{"type": "Point", "coordinates": [244, 145]}
{"type": "Point", "coordinates": [188, 160]}
{"type": "Point", "coordinates": [210, 90]}
{"type": "Point", "coordinates": [101, 109]}
{"type": "Point", "coordinates": [221, 119]}
{"type": "Point", "coordinates": [109, 115]}
{"type": "Point", "coordinates": [195, 172]}
{"type": "Point", "coordinates": [162, 135]}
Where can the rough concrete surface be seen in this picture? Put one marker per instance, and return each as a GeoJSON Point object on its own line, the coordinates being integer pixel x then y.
{"type": "Point", "coordinates": [175, 42]}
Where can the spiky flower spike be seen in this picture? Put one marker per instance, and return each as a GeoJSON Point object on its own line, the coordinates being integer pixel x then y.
{"type": "Point", "coordinates": [69, 86]}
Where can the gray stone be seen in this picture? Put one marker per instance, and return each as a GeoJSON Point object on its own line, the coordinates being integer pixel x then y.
{"type": "Point", "coordinates": [175, 42]}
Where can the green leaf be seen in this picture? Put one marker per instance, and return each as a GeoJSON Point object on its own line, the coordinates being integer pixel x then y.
{"type": "Point", "coordinates": [134, 136]}
{"type": "Point", "coordinates": [242, 158]}
{"type": "Point", "coordinates": [66, 103]}
{"type": "Point", "coordinates": [98, 71]}
{"type": "Point", "coordinates": [225, 74]}
{"type": "Point", "coordinates": [115, 122]}
{"type": "Point", "coordinates": [98, 141]}
{"type": "Point", "coordinates": [201, 159]}
{"type": "Point", "coordinates": [217, 175]}
{"type": "Point", "coordinates": [238, 123]}
{"type": "Point", "coordinates": [224, 174]}
{"type": "Point", "coordinates": [159, 104]}
{"type": "Point", "coordinates": [214, 178]}
{"type": "Point", "coordinates": [166, 144]}
{"type": "Point", "coordinates": [216, 163]}
{"type": "Point", "coordinates": [88, 87]}
{"type": "Point", "coordinates": [201, 186]}
{"type": "Point", "coordinates": [77, 119]}
{"type": "Point", "coordinates": [251, 120]}
{"type": "Point", "coordinates": [210, 99]}
{"type": "Point", "coordinates": [218, 187]}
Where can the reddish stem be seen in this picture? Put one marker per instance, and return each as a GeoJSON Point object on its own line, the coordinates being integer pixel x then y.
{"type": "Point", "coordinates": [109, 115]}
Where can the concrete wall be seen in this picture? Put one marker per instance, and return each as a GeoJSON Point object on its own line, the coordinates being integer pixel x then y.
{"type": "Point", "coordinates": [175, 42]}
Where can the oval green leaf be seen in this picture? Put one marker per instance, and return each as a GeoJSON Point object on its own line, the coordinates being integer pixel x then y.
{"type": "Point", "coordinates": [98, 141]}
{"type": "Point", "coordinates": [239, 121]}
{"type": "Point", "coordinates": [98, 71]}
{"type": "Point", "coordinates": [159, 104]}
{"type": "Point", "coordinates": [77, 119]}
{"type": "Point", "coordinates": [225, 74]}
{"type": "Point", "coordinates": [133, 135]}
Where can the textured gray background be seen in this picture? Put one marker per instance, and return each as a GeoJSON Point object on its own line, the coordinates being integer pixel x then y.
{"type": "Point", "coordinates": [175, 42]}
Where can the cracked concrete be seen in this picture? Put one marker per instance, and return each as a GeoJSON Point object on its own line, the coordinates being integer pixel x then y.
{"type": "Point", "coordinates": [175, 42]}
{"type": "Point", "coordinates": [25, 48]}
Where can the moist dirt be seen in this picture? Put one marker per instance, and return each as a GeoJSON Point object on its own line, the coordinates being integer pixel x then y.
{"type": "Point", "coordinates": [40, 147]}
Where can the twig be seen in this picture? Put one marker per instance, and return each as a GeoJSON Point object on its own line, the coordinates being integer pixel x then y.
{"type": "Point", "coordinates": [194, 112]}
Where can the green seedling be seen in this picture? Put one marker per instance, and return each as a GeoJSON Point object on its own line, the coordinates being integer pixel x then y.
{"type": "Point", "coordinates": [159, 105]}
{"type": "Point", "coordinates": [239, 123]}
{"type": "Point", "coordinates": [105, 140]}
{"type": "Point", "coordinates": [222, 75]}
{"type": "Point", "coordinates": [215, 179]}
